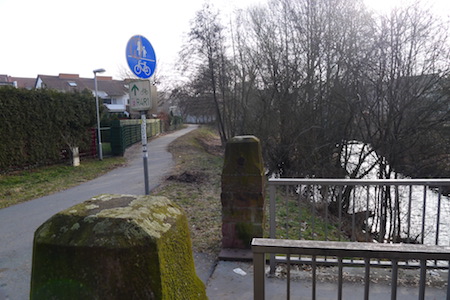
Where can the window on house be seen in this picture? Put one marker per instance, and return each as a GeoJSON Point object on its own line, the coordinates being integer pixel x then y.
{"type": "Point", "coordinates": [107, 101]}
{"type": "Point", "coordinates": [72, 83]}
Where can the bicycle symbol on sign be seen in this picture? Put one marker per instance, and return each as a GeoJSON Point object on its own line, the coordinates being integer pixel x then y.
{"type": "Point", "coordinates": [141, 66]}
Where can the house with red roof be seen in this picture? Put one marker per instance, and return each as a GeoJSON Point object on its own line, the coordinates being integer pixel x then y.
{"type": "Point", "coordinates": [17, 82]}
{"type": "Point", "coordinates": [113, 93]}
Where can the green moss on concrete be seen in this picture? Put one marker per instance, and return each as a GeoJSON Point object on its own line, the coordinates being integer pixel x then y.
{"type": "Point", "coordinates": [245, 232]}
{"type": "Point", "coordinates": [174, 267]}
{"type": "Point", "coordinates": [76, 225]}
{"type": "Point", "coordinates": [243, 156]}
{"type": "Point", "coordinates": [116, 247]}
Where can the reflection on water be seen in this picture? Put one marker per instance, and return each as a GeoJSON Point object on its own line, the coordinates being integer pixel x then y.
{"type": "Point", "coordinates": [361, 159]}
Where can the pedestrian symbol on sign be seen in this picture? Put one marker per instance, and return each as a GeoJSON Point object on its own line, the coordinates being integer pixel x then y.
{"type": "Point", "coordinates": [141, 49]}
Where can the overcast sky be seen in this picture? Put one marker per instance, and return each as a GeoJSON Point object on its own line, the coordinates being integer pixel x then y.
{"type": "Point", "coordinates": [59, 36]}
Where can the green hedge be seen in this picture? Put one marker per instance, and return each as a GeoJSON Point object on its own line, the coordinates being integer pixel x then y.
{"type": "Point", "coordinates": [36, 125]}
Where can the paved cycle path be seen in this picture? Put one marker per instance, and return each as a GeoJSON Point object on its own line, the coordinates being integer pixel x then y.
{"type": "Point", "coordinates": [19, 222]}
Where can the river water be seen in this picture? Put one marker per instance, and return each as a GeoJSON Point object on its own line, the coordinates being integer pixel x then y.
{"type": "Point", "coordinates": [411, 201]}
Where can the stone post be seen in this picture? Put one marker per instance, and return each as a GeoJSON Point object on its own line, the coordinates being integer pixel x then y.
{"type": "Point", "coordinates": [75, 155]}
{"type": "Point", "coordinates": [115, 247]}
{"type": "Point", "coordinates": [243, 192]}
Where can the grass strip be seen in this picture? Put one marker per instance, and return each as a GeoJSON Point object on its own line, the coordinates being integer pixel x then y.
{"type": "Point", "coordinates": [195, 185]}
{"type": "Point", "coordinates": [25, 185]}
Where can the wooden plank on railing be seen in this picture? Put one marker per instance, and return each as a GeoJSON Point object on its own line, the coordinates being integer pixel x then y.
{"type": "Point", "coordinates": [359, 182]}
{"type": "Point", "coordinates": [351, 249]}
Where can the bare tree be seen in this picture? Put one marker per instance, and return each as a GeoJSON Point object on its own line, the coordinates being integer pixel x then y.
{"type": "Point", "coordinates": [311, 77]}
{"type": "Point", "coordinates": [207, 46]}
{"type": "Point", "coordinates": [403, 96]}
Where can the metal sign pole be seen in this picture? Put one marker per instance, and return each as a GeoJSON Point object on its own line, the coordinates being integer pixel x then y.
{"type": "Point", "coordinates": [141, 59]}
{"type": "Point", "coordinates": [144, 150]}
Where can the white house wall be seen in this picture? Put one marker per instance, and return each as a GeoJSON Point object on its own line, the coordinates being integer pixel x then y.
{"type": "Point", "coordinates": [38, 83]}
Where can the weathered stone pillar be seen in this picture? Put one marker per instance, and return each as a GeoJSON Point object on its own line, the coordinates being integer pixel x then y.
{"type": "Point", "coordinates": [242, 195]}
{"type": "Point", "coordinates": [115, 247]}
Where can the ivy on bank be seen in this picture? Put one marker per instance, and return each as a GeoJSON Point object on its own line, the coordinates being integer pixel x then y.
{"type": "Point", "coordinates": [38, 125]}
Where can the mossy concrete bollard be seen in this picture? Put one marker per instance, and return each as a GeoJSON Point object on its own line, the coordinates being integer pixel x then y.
{"type": "Point", "coordinates": [242, 195]}
{"type": "Point", "coordinates": [115, 247]}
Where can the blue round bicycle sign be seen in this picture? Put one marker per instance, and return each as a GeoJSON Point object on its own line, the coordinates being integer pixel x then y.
{"type": "Point", "coordinates": [141, 57]}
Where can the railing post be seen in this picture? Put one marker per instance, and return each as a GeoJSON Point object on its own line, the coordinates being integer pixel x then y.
{"type": "Point", "coordinates": [258, 276]}
{"type": "Point", "coordinates": [340, 279]}
{"type": "Point", "coordinates": [272, 205]}
{"type": "Point", "coordinates": [448, 283]}
{"type": "Point", "coordinates": [366, 278]}
{"type": "Point", "coordinates": [423, 275]}
{"type": "Point", "coordinates": [394, 279]}
{"type": "Point", "coordinates": [314, 281]}
{"type": "Point", "coordinates": [288, 277]}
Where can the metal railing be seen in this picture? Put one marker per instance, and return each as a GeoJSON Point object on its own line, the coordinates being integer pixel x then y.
{"type": "Point", "coordinates": [386, 210]}
{"type": "Point", "coordinates": [368, 252]}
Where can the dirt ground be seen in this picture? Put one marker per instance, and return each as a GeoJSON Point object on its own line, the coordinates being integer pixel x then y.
{"type": "Point", "coordinates": [195, 185]}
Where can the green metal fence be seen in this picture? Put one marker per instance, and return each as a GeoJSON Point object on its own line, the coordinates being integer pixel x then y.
{"type": "Point", "coordinates": [124, 133]}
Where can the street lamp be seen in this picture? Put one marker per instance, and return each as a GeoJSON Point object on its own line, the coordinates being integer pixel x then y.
{"type": "Point", "coordinates": [99, 137]}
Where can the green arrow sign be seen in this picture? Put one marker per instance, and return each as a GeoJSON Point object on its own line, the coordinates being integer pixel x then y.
{"type": "Point", "coordinates": [140, 95]}
{"type": "Point", "coordinates": [134, 89]}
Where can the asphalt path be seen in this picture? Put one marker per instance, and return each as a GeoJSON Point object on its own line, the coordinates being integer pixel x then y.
{"type": "Point", "coordinates": [19, 222]}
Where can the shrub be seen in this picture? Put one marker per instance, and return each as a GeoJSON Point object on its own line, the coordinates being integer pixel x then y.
{"type": "Point", "coordinates": [36, 125]}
